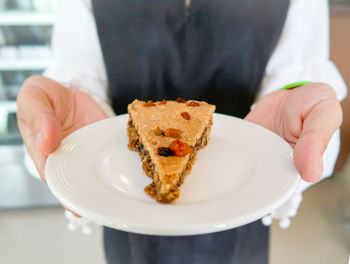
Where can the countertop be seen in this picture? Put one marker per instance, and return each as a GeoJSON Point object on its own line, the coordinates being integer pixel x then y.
{"type": "Point", "coordinates": [320, 232]}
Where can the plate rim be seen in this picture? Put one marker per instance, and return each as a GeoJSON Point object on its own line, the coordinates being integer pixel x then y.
{"type": "Point", "coordinates": [194, 229]}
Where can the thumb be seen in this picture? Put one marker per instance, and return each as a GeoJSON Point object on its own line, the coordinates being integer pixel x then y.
{"type": "Point", "coordinates": [319, 125]}
{"type": "Point", "coordinates": [39, 126]}
{"type": "Point", "coordinates": [37, 102]}
{"type": "Point", "coordinates": [308, 156]}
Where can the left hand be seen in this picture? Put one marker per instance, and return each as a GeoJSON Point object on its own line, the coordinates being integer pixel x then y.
{"type": "Point", "coordinates": [306, 117]}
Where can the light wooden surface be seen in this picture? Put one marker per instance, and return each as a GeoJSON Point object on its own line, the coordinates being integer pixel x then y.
{"type": "Point", "coordinates": [320, 233]}
{"type": "Point", "coordinates": [40, 236]}
{"type": "Point", "coordinates": [340, 54]}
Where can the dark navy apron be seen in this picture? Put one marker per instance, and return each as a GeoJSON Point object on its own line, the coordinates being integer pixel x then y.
{"type": "Point", "coordinates": [215, 50]}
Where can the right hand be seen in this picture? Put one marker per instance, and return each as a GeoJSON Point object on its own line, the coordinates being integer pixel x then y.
{"type": "Point", "coordinates": [48, 112]}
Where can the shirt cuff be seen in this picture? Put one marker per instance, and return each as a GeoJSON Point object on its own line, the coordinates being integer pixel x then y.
{"type": "Point", "coordinates": [92, 84]}
{"type": "Point", "coordinates": [87, 83]}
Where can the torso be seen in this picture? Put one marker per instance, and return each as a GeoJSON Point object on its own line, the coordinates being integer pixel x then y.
{"type": "Point", "coordinates": [208, 50]}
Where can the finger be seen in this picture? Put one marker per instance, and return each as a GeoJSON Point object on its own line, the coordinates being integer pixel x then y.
{"type": "Point", "coordinates": [41, 97]}
{"type": "Point", "coordinates": [34, 153]}
{"type": "Point", "coordinates": [40, 144]}
{"type": "Point", "coordinates": [320, 123]}
{"type": "Point", "coordinates": [37, 120]}
{"type": "Point", "coordinates": [308, 157]}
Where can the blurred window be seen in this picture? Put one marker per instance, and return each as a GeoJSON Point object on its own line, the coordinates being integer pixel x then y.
{"type": "Point", "coordinates": [25, 33]}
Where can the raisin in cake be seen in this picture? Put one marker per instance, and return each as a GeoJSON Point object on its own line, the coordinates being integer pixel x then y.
{"type": "Point", "coordinates": [167, 135]}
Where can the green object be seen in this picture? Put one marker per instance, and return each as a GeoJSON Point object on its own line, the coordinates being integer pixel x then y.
{"type": "Point", "coordinates": [294, 85]}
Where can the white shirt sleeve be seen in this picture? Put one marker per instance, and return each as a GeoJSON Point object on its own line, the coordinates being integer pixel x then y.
{"type": "Point", "coordinates": [302, 53]}
{"type": "Point", "coordinates": [77, 55]}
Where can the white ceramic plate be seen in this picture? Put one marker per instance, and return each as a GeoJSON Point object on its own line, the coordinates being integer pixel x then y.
{"type": "Point", "coordinates": [244, 173]}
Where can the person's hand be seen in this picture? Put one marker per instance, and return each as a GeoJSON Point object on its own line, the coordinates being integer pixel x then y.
{"type": "Point", "coordinates": [306, 117]}
{"type": "Point", "coordinates": [47, 112]}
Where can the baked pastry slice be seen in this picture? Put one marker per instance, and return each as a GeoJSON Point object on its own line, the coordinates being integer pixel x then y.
{"type": "Point", "coordinates": [167, 135]}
